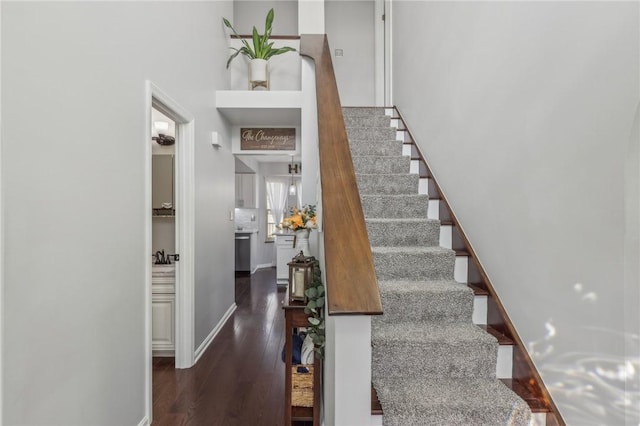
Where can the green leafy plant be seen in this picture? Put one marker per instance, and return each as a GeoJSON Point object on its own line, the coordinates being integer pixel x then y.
{"type": "Point", "coordinates": [262, 48]}
{"type": "Point", "coordinates": [315, 307]}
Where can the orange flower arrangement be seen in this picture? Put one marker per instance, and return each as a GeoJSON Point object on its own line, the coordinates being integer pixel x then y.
{"type": "Point", "coordinates": [300, 219]}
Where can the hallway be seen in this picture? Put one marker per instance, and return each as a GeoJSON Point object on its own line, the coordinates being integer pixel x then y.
{"type": "Point", "coordinates": [240, 379]}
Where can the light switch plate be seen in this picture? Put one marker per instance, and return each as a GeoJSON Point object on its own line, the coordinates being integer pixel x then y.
{"type": "Point", "coordinates": [215, 140]}
{"type": "Point", "coordinates": [339, 52]}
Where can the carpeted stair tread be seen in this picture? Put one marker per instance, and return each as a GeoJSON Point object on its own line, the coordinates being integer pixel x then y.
{"type": "Point", "coordinates": [403, 231]}
{"type": "Point", "coordinates": [370, 164]}
{"type": "Point", "coordinates": [416, 333]}
{"type": "Point", "coordinates": [391, 184]}
{"type": "Point", "coordinates": [430, 286]}
{"type": "Point", "coordinates": [450, 402]}
{"type": "Point", "coordinates": [363, 111]}
{"type": "Point", "coordinates": [425, 301]}
{"type": "Point", "coordinates": [413, 263]}
{"type": "Point", "coordinates": [412, 250]}
{"type": "Point", "coordinates": [372, 133]}
{"type": "Point", "coordinates": [371, 120]}
{"type": "Point", "coordinates": [435, 350]}
{"type": "Point", "coordinates": [395, 206]}
{"type": "Point", "coordinates": [365, 147]}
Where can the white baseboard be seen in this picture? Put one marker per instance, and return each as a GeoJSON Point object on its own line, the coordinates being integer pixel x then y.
{"type": "Point", "coordinates": [263, 266]}
{"type": "Point", "coordinates": [144, 422]}
{"type": "Point", "coordinates": [203, 347]}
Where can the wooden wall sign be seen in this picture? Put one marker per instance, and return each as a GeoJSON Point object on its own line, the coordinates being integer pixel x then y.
{"type": "Point", "coordinates": [268, 139]}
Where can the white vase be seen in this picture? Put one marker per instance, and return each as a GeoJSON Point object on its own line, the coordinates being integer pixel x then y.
{"type": "Point", "coordinates": [302, 241]}
{"type": "Point", "coordinates": [258, 73]}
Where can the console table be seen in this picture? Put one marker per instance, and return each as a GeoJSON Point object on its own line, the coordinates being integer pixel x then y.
{"type": "Point", "coordinates": [295, 318]}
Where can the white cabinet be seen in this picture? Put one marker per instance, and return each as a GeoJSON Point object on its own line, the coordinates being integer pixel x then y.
{"type": "Point", "coordinates": [163, 310]}
{"type": "Point", "coordinates": [163, 336]}
{"type": "Point", "coordinates": [284, 253]}
{"type": "Point", "coordinates": [246, 190]}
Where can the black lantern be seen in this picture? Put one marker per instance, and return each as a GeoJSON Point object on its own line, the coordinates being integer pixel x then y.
{"type": "Point", "coordinates": [300, 276]}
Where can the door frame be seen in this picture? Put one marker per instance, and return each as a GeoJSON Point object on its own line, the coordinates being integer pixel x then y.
{"type": "Point", "coordinates": [185, 231]}
{"type": "Point", "coordinates": [382, 52]}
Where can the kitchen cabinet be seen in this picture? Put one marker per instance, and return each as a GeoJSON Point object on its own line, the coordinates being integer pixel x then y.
{"type": "Point", "coordinates": [246, 190]}
{"type": "Point", "coordinates": [284, 253]}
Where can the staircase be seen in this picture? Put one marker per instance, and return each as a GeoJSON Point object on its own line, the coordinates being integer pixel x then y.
{"type": "Point", "coordinates": [431, 364]}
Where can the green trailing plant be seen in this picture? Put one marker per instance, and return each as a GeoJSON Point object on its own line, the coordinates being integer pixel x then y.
{"type": "Point", "coordinates": [262, 48]}
{"type": "Point", "coordinates": [315, 307]}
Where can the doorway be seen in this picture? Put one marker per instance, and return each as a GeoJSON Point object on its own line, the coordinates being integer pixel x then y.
{"type": "Point", "coordinates": [181, 206]}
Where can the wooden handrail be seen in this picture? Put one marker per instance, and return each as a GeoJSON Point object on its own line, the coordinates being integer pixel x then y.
{"type": "Point", "coordinates": [350, 278]}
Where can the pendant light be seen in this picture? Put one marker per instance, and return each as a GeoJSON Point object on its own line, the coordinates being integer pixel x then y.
{"type": "Point", "coordinates": [292, 187]}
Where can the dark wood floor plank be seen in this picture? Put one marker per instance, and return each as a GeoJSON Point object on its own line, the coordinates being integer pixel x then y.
{"type": "Point", "coordinates": [239, 380]}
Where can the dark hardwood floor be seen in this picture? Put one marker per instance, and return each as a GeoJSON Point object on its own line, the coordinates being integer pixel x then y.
{"type": "Point", "coordinates": [240, 378]}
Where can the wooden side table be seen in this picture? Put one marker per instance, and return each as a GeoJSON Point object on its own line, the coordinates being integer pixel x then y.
{"type": "Point", "coordinates": [295, 318]}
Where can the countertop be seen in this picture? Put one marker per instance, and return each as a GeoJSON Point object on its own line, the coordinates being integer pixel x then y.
{"type": "Point", "coordinates": [246, 231]}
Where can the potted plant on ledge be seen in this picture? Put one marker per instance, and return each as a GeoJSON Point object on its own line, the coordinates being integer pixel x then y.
{"type": "Point", "coordinates": [258, 54]}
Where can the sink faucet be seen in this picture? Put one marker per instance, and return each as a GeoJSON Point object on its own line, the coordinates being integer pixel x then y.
{"type": "Point", "coordinates": [160, 258]}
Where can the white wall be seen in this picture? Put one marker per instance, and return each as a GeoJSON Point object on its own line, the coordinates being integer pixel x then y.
{"type": "Point", "coordinates": [249, 13]}
{"type": "Point", "coordinates": [73, 113]}
{"type": "Point", "coordinates": [350, 27]}
{"type": "Point", "coordinates": [524, 110]}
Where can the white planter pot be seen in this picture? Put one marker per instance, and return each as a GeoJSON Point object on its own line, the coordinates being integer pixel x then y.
{"type": "Point", "coordinates": [302, 241]}
{"type": "Point", "coordinates": [258, 73]}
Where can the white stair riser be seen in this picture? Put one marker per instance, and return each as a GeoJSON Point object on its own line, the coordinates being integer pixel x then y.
{"type": "Point", "coordinates": [461, 268]}
{"type": "Point", "coordinates": [433, 211]}
{"type": "Point", "coordinates": [376, 419]}
{"type": "Point", "coordinates": [423, 186]}
{"type": "Point", "coordinates": [414, 168]}
{"type": "Point", "coordinates": [480, 309]}
{"type": "Point", "coordinates": [388, 111]}
{"type": "Point", "coordinates": [406, 150]}
{"type": "Point", "coordinates": [537, 419]}
{"type": "Point", "coordinates": [395, 123]}
{"type": "Point", "coordinates": [399, 136]}
{"type": "Point", "coordinates": [446, 236]}
{"type": "Point", "coordinates": [504, 365]}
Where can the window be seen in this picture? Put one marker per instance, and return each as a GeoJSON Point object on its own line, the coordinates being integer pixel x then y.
{"type": "Point", "coordinates": [271, 223]}
{"type": "Point", "coordinates": [276, 201]}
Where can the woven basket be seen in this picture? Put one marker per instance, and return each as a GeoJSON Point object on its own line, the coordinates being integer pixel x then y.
{"type": "Point", "coordinates": [302, 387]}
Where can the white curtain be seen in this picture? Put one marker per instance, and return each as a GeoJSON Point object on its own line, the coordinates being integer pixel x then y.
{"type": "Point", "coordinates": [277, 192]}
{"type": "Point", "coordinates": [298, 183]}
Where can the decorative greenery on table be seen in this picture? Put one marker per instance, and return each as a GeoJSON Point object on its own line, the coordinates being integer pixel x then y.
{"type": "Point", "coordinates": [315, 306]}
{"type": "Point", "coordinates": [262, 49]}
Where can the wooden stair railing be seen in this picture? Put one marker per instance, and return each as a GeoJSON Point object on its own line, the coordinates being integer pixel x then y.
{"type": "Point", "coordinates": [350, 278]}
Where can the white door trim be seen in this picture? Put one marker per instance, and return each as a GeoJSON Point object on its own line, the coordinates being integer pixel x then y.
{"type": "Point", "coordinates": [379, 52]}
{"type": "Point", "coordinates": [382, 55]}
{"type": "Point", "coordinates": [388, 53]}
{"type": "Point", "coordinates": [2, 234]}
{"type": "Point", "coordinates": [185, 227]}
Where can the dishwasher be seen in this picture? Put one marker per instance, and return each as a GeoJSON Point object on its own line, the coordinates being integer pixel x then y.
{"type": "Point", "coordinates": [243, 253]}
